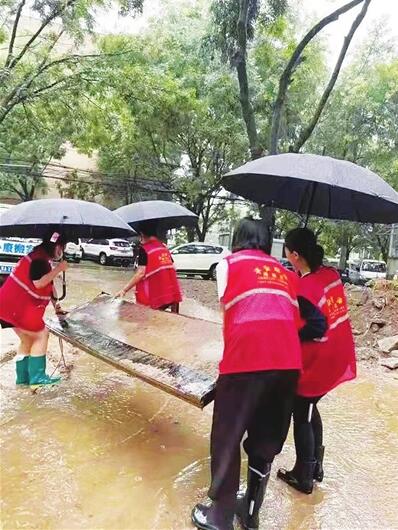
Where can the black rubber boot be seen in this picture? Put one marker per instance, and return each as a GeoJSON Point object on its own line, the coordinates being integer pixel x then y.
{"type": "Point", "coordinates": [249, 504]}
{"type": "Point", "coordinates": [301, 477]}
{"type": "Point", "coordinates": [318, 471]}
{"type": "Point", "coordinates": [218, 516]}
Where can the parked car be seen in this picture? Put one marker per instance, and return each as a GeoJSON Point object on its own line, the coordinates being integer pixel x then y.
{"type": "Point", "coordinates": [198, 258]}
{"type": "Point", "coordinates": [108, 251]}
{"type": "Point", "coordinates": [73, 252]}
{"type": "Point", "coordinates": [368, 269]}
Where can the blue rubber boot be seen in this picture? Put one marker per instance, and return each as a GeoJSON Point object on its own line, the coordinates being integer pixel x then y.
{"type": "Point", "coordinates": [37, 372]}
{"type": "Point", "coordinates": [22, 370]}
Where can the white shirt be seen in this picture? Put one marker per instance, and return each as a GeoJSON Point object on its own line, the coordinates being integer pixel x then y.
{"type": "Point", "coordinates": [222, 277]}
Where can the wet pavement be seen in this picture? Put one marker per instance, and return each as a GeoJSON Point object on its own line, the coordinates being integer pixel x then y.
{"type": "Point", "coordinates": [105, 451]}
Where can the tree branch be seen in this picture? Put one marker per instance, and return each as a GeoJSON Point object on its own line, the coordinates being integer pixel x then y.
{"type": "Point", "coordinates": [285, 78]}
{"type": "Point", "coordinates": [306, 133]}
{"type": "Point", "coordinates": [43, 26]}
{"type": "Point", "coordinates": [14, 34]}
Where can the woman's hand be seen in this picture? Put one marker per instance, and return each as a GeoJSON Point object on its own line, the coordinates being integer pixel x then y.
{"type": "Point", "coordinates": [120, 294]}
{"type": "Point", "coordinates": [62, 266]}
{"type": "Point", "coordinates": [59, 310]}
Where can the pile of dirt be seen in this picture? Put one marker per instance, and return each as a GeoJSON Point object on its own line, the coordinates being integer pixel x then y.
{"type": "Point", "coordinates": [374, 311]}
{"type": "Point", "coordinates": [374, 317]}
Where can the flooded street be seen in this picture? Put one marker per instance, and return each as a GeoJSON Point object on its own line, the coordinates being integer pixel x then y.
{"type": "Point", "coordinates": [105, 451]}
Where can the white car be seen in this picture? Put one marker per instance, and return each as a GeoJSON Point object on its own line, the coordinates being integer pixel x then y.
{"type": "Point", "coordinates": [106, 251]}
{"type": "Point", "coordinates": [368, 269]}
{"type": "Point", "coordinates": [198, 258]}
{"type": "Point", "coordinates": [73, 251]}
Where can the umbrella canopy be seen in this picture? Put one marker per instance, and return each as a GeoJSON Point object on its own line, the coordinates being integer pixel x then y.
{"type": "Point", "coordinates": [72, 217]}
{"type": "Point", "coordinates": [166, 214]}
{"type": "Point", "coordinates": [316, 185]}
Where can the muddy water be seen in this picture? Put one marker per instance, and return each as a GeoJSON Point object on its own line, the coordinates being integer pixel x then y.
{"type": "Point", "coordinates": [104, 451]}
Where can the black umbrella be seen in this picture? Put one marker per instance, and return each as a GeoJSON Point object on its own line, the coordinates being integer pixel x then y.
{"type": "Point", "coordinates": [316, 185]}
{"type": "Point", "coordinates": [74, 218]}
{"type": "Point", "coordinates": [167, 214]}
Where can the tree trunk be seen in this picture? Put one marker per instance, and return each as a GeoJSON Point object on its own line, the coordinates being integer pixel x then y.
{"type": "Point", "coordinates": [190, 234]}
{"type": "Point", "coordinates": [344, 252]}
{"type": "Point", "coordinates": [267, 215]}
{"type": "Point", "coordinates": [239, 61]}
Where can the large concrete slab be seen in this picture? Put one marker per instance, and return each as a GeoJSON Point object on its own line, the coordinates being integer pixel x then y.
{"type": "Point", "coordinates": [176, 353]}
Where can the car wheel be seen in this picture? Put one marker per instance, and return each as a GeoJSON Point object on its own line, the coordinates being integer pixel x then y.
{"type": "Point", "coordinates": [103, 259]}
{"type": "Point", "coordinates": [213, 272]}
{"type": "Point", "coordinates": [76, 260]}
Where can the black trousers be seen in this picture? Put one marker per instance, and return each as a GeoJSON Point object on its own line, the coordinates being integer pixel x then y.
{"type": "Point", "coordinates": [259, 403]}
{"type": "Point", "coordinates": [308, 428]}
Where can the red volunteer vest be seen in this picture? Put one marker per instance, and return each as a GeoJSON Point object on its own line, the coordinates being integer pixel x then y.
{"type": "Point", "coordinates": [329, 361]}
{"type": "Point", "coordinates": [21, 303]}
{"type": "Point", "coordinates": [160, 285]}
{"type": "Point", "coordinates": [261, 316]}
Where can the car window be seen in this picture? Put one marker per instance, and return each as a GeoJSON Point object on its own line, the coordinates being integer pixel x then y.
{"type": "Point", "coordinates": [187, 249]}
{"type": "Point", "coordinates": [121, 244]}
{"type": "Point", "coordinates": [205, 249]}
{"type": "Point", "coordinates": [200, 249]}
{"type": "Point", "coordinates": [374, 267]}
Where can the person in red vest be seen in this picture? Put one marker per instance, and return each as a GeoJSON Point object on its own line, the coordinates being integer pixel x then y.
{"type": "Point", "coordinates": [327, 362]}
{"type": "Point", "coordinates": [23, 301]}
{"type": "Point", "coordinates": [258, 376]}
{"type": "Point", "coordinates": [155, 280]}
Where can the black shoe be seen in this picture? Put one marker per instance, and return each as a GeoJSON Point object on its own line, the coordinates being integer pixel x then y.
{"type": "Point", "coordinates": [318, 471]}
{"type": "Point", "coordinates": [249, 504]}
{"type": "Point", "coordinates": [213, 517]}
{"type": "Point", "coordinates": [301, 477]}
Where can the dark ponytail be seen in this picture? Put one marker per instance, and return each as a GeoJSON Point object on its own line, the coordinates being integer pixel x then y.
{"type": "Point", "coordinates": [303, 241]}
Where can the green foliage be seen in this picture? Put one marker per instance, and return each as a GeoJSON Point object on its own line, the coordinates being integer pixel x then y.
{"type": "Point", "coordinates": [171, 115]}
{"type": "Point", "coordinates": [29, 139]}
{"type": "Point", "coordinates": [225, 15]}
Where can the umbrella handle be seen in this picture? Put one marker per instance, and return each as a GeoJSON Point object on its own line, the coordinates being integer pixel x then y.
{"type": "Point", "coordinates": [63, 287]}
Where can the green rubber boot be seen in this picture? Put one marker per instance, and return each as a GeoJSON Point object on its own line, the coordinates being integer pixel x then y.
{"type": "Point", "coordinates": [22, 370]}
{"type": "Point", "coordinates": [37, 372]}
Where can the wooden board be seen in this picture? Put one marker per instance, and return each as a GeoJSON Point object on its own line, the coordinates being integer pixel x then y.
{"type": "Point", "coordinates": [175, 353]}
